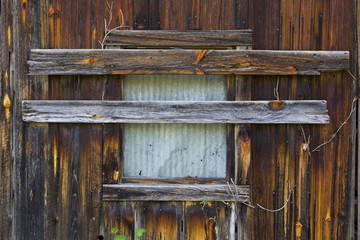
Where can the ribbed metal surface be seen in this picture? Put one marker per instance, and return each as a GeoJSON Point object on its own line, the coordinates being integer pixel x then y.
{"type": "Point", "coordinates": [175, 150]}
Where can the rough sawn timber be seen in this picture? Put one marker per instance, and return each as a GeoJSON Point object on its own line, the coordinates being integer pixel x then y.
{"type": "Point", "coordinates": [179, 61]}
{"type": "Point", "coordinates": [173, 192]}
{"type": "Point", "coordinates": [174, 38]}
{"type": "Point", "coordinates": [256, 112]}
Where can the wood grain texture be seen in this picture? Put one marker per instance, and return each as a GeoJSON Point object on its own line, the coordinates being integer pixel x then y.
{"type": "Point", "coordinates": [286, 25]}
{"type": "Point", "coordinates": [119, 61]}
{"type": "Point", "coordinates": [189, 180]}
{"type": "Point", "coordinates": [172, 192]}
{"type": "Point", "coordinates": [162, 220]}
{"type": "Point", "coordinates": [304, 25]}
{"type": "Point", "coordinates": [112, 160]}
{"type": "Point", "coordinates": [172, 38]}
{"type": "Point", "coordinates": [19, 86]}
{"type": "Point", "coordinates": [257, 112]}
{"type": "Point", "coordinates": [6, 121]}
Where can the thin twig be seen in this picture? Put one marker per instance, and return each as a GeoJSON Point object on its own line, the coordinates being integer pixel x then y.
{"type": "Point", "coordinates": [107, 24]}
{"type": "Point", "coordinates": [246, 203]}
{"type": "Point", "coordinates": [351, 75]}
{"type": "Point", "coordinates": [235, 195]}
{"type": "Point", "coordinates": [236, 190]}
{"type": "Point", "coordinates": [276, 89]}
{"type": "Point", "coordinates": [279, 209]}
{"type": "Point", "coordinates": [353, 108]}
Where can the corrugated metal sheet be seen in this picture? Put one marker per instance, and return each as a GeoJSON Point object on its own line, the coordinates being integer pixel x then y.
{"type": "Point", "coordinates": [175, 150]}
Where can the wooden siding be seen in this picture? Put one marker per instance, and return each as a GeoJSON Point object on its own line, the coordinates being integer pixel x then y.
{"type": "Point", "coordinates": [51, 173]}
{"type": "Point", "coordinates": [256, 112]}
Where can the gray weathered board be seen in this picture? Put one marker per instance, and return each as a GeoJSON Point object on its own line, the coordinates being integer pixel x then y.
{"type": "Point", "coordinates": [180, 61]}
{"type": "Point", "coordinates": [174, 192]}
{"type": "Point", "coordinates": [256, 112]}
{"type": "Point", "coordinates": [174, 38]}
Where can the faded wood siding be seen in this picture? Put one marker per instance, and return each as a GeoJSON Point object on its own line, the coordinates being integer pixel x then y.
{"type": "Point", "coordinates": [115, 61]}
{"type": "Point", "coordinates": [255, 112]}
{"type": "Point", "coordinates": [57, 169]}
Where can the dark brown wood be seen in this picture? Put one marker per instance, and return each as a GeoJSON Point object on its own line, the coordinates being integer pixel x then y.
{"type": "Point", "coordinates": [173, 192]}
{"type": "Point", "coordinates": [19, 86]}
{"type": "Point", "coordinates": [112, 164]}
{"type": "Point", "coordinates": [256, 112]}
{"type": "Point", "coordinates": [172, 38]}
{"type": "Point", "coordinates": [119, 61]}
{"type": "Point", "coordinates": [6, 121]}
{"type": "Point", "coordinates": [230, 143]}
{"type": "Point", "coordinates": [302, 183]}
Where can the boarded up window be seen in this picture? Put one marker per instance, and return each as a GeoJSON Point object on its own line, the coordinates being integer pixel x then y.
{"type": "Point", "coordinates": [175, 150]}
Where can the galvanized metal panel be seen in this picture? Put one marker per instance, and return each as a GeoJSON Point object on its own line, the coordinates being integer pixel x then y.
{"type": "Point", "coordinates": [175, 150]}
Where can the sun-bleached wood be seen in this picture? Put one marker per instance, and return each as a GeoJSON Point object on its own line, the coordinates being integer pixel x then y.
{"type": "Point", "coordinates": [256, 112]}
{"type": "Point", "coordinates": [179, 61]}
{"type": "Point", "coordinates": [173, 192]}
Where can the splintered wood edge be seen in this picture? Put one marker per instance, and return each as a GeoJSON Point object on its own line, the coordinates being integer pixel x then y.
{"type": "Point", "coordinates": [180, 61]}
{"type": "Point", "coordinates": [233, 112]}
{"type": "Point", "coordinates": [174, 38]}
{"type": "Point", "coordinates": [174, 192]}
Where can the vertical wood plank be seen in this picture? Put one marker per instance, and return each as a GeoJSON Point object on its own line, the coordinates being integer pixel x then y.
{"type": "Point", "coordinates": [154, 15]}
{"type": "Point", "coordinates": [173, 15]}
{"type": "Point", "coordinates": [193, 14]}
{"type": "Point", "coordinates": [242, 14]}
{"type": "Point", "coordinates": [217, 15]}
{"type": "Point", "coordinates": [113, 135]}
{"type": "Point", "coordinates": [127, 10]}
{"type": "Point", "coordinates": [302, 185]}
{"type": "Point", "coordinates": [332, 177]}
{"type": "Point", "coordinates": [197, 221]}
{"type": "Point", "coordinates": [141, 15]}
{"type": "Point", "coordinates": [264, 21]}
{"type": "Point", "coordinates": [6, 97]}
{"type": "Point", "coordinates": [119, 215]}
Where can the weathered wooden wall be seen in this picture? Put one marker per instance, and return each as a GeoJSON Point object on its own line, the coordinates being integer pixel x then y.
{"type": "Point", "coordinates": [51, 174]}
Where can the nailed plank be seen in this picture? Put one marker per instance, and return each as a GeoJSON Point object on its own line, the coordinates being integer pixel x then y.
{"type": "Point", "coordinates": [173, 38]}
{"type": "Point", "coordinates": [179, 61]}
{"type": "Point", "coordinates": [259, 112]}
{"type": "Point", "coordinates": [172, 192]}
{"type": "Point", "coordinates": [188, 180]}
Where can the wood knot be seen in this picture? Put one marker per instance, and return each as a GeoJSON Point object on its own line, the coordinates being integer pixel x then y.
{"type": "Point", "coordinates": [244, 133]}
{"type": "Point", "coordinates": [276, 105]}
{"type": "Point", "coordinates": [298, 229]}
{"type": "Point", "coordinates": [91, 60]}
{"type": "Point", "coordinates": [23, 4]}
{"type": "Point", "coordinates": [53, 12]}
{"type": "Point", "coordinates": [116, 175]}
{"type": "Point", "coordinates": [6, 102]}
{"type": "Point", "coordinates": [95, 115]}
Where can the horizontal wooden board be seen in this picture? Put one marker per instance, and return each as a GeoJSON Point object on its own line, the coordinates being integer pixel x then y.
{"type": "Point", "coordinates": [173, 192]}
{"type": "Point", "coordinates": [179, 61]}
{"type": "Point", "coordinates": [173, 38]}
{"type": "Point", "coordinates": [256, 112]}
{"type": "Point", "coordinates": [188, 180]}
